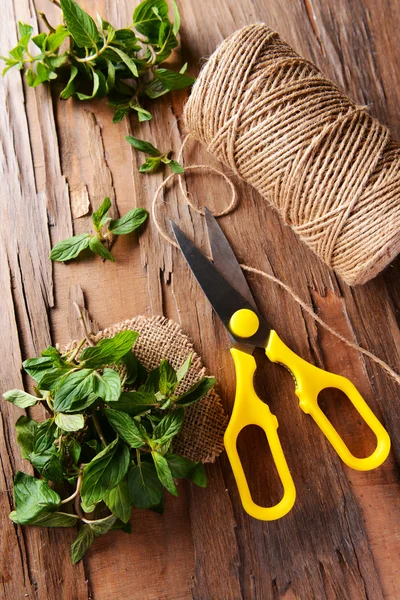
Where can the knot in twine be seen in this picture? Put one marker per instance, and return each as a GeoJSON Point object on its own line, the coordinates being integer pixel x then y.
{"type": "Point", "coordinates": [331, 170]}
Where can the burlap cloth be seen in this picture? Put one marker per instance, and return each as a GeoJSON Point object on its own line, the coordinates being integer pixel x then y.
{"type": "Point", "coordinates": [201, 438]}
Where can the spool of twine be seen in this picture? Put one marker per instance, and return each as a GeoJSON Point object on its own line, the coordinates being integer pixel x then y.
{"type": "Point", "coordinates": [331, 170]}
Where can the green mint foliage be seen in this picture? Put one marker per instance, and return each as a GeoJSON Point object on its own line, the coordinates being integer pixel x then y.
{"type": "Point", "coordinates": [156, 159]}
{"type": "Point", "coordinates": [96, 60]}
{"type": "Point", "coordinates": [109, 436]}
{"type": "Point", "coordinates": [105, 228]}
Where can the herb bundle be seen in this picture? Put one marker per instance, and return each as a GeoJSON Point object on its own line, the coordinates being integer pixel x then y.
{"type": "Point", "coordinates": [101, 61]}
{"type": "Point", "coordinates": [109, 435]}
{"type": "Point", "coordinates": [71, 247]}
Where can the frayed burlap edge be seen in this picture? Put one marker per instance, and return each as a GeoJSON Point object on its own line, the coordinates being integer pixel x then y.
{"type": "Point", "coordinates": [201, 438]}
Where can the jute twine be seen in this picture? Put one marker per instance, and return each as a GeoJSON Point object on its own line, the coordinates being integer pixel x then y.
{"type": "Point", "coordinates": [331, 170]}
{"type": "Point", "coordinates": [201, 438]}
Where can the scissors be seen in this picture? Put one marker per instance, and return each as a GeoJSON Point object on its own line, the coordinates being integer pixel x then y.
{"type": "Point", "coordinates": [226, 288]}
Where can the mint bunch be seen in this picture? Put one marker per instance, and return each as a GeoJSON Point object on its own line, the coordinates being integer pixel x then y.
{"type": "Point", "coordinates": [96, 60]}
{"type": "Point", "coordinates": [109, 434]}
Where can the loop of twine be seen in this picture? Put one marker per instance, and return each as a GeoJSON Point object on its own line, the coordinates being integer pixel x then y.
{"type": "Point", "coordinates": [231, 206]}
{"type": "Point", "coordinates": [328, 167]}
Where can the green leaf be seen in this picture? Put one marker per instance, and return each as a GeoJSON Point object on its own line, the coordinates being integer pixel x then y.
{"type": "Point", "coordinates": [176, 167]}
{"type": "Point", "coordinates": [32, 497]}
{"type": "Point", "coordinates": [107, 385]}
{"type": "Point", "coordinates": [127, 39]}
{"type": "Point", "coordinates": [54, 519]}
{"type": "Point", "coordinates": [144, 487]}
{"type": "Point", "coordinates": [80, 25]}
{"type": "Point", "coordinates": [109, 350]}
{"type": "Point", "coordinates": [135, 403]}
{"type": "Point", "coordinates": [26, 429]}
{"type": "Point", "coordinates": [55, 39]}
{"type": "Point", "coordinates": [103, 525]}
{"type": "Point", "coordinates": [73, 392]}
{"type": "Point", "coordinates": [69, 422]}
{"type": "Point", "coordinates": [197, 391]}
{"type": "Point", "coordinates": [152, 382]}
{"type": "Point", "coordinates": [43, 74]}
{"type": "Point", "coordinates": [104, 472]}
{"type": "Point", "coordinates": [70, 248]}
{"type": "Point", "coordinates": [198, 475]}
{"type": "Point", "coordinates": [56, 61]}
{"type": "Point", "coordinates": [44, 436]}
{"type": "Point", "coordinates": [24, 29]}
{"type": "Point", "coordinates": [20, 398]}
{"type": "Point", "coordinates": [96, 85]}
{"type": "Point", "coordinates": [142, 146]}
{"type": "Point", "coordinates": [180, 466]}
{"type": "Point", "coordinates": [132, 432]}
{"type": "Point", "coordinates": [53, 377]}
{"type": "Point", "coordinates": [143, 115]}
{"type": "Point", "coordinates": [40, 41]}
{"type": "Point", "coordinates": [166, 41]}
{"type": "Point", "coordinates": [98, 248]}
{"type": "Point", "coordinates": [148, 16]}
{"type": "Point", "coordinates": [81, 545]}
{"type": "Point", "coordinates": [155, 88]}
{"type": "Point", "coordinates": [132, 367]}
{"type": "Point", "coordinates": [127, 60]}
{"type": "Point", "coordinates": [163, 472]}
{"type": "Point", "coordinates": [120, 113]}
{"type": "Point", "coordinates": [70, 89]}
{"type": "Point", "coordinates": [74, 449]}
{"type": "Point", "coordinates": [177, 18]}
{"type": "Point", "coordinates": [182, 371]}
{"type": "Point", "coordinates": [37, 367]}
{"type": "Point", "coordinates": [118, 501]}
{"type": "Point", "coordinates": [129, 222]}
{"type": "Point", "coordinates": [168, 427]}
{"type": "Point", "coordinates": [48, 464]}
{"type": "Point", "coordinates": [168, 378]}
{"type": "Point", "coordinates": [110, 81]}
{"type": "Point", "coordinates": [30, 77]}
{"type": "Point", "coordinates": [173, 80]}
{"type": "Point", "coordinates": [151, 165]}
{"type": "Point", "coordinates": [101, 213]}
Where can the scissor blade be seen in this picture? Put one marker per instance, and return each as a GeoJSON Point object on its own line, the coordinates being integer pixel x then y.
{"type": "Point", "coordinates": [223, 297]}
{"type": "Point", "coordinates": [225, 259]}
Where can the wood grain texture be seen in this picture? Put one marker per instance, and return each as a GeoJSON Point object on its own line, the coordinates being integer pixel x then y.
{"type": "Point", "coordinates": [342, 540]}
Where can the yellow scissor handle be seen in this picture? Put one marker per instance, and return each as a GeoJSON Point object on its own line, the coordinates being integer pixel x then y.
{"type": "Point", "coordinates": [248, 409]}
{"type": "Point", "coordinates": [310, 381]}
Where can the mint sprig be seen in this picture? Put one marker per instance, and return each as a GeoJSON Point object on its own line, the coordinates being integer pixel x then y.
{"type": "Point", "coordinates": [109, 437]}
{"type": "Point", "coordinates": [105, 228]}
{"type": "Point", "coordinates": [156, 159]}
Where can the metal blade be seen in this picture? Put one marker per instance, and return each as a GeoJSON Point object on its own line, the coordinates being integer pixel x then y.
{"type": "Point", "coordinates": [224, 298]}
{"type": "Point", "coordinates": [225, 259]}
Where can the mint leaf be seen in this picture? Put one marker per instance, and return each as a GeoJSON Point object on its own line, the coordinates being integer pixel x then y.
{"type": "Point", "coordinates": [104, 472]}
{"type": "Point", "coordinates": [173, 80]}
{"type": "Point", "coordinates": [48, 464]}
{"type": "Point", "coordinates": [198, 475]}
{"type": "Point", "coordinates": [70, 248]}
{"type": "Point", "coordinates": [107, 385]}
{"type": "Point", "coordinates": [40, 41]}
{"type": "Point", "coordinates": [127, 60]}
{"type": "Point", "coordinates": [151, 165]}
{"type": "Point", "coordinates": [168, 379]}
{"type": "Point", "coordinates": [69, 422]}
{"type": "Point", "coordinates": [148, 16]}
{"type": "Point", "coordinates": [144, 487]}
{"type": "Point", "coordinates": [98, 248]}
{"type": "Point", "coordinates": [109, 350]}
{"type": "Point", "coordinates": [166, 41]}
{"type": "Point", "coordinates": [20, 398]}
{"type": "Point", "coordinates": [180, 466]}
{"type": "Point", "coordinates": [142, 146]}
{"type": "Point", "coordinates": [99, 216]}
{"type": "Point", "coordinates": [143, 115]}
{"type": "Point", "coordinates": [70, 88]}
{"type": "Point", "coordinates": [55, 39]}
{"type": "Point", "coordinates": [182, 371]}
{"type": "Point", "coordinates": [135, 403]}
{"type": "Point", "coordinates": [74, 449]}
{"type": "Point", "coordinates": [82, 543]}
{"type": "Point", "coordinates": [176, 167]}
{"type": "Point", "coordinates": [164, 473]}
{"type": "Point", "coordinates": [177, 18]}
{"type": "Point", "coordinates": [96, 75]}
{"type": "Point", "coordinates": [80, 25]}
{"type": "Point", "coordinates": [129, 222]}
{"type": "Point", "coordinates": [74, 391]}
{"type": "Point", "coordinates": [37, 367]}
{"type": "Point", "coordinates": [132, 432]}
{"type": "Point", "coordinates": [54, 519]}
{"type": "Point", "coordinates": [168, 427]}
{"type": "Point", "coordinates": [44, 436]}
{"type": "Point", "coordinates": [26, 429]}
{"type": "Point", "coordinates": [32, 497]}
{"type": "Point", "coordinates": [118, 501]}
{"type": "Point", "coordinates": [155, 88]}
{"type": "Point", "coordinates": [197, 391]}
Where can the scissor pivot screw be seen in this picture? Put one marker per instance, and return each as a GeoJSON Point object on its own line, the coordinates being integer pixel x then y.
{"type": "Point", "coordinates": [244, 323]}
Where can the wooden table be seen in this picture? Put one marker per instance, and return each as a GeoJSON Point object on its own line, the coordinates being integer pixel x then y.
{"type": "Point", "coordinates": [342, 540]}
